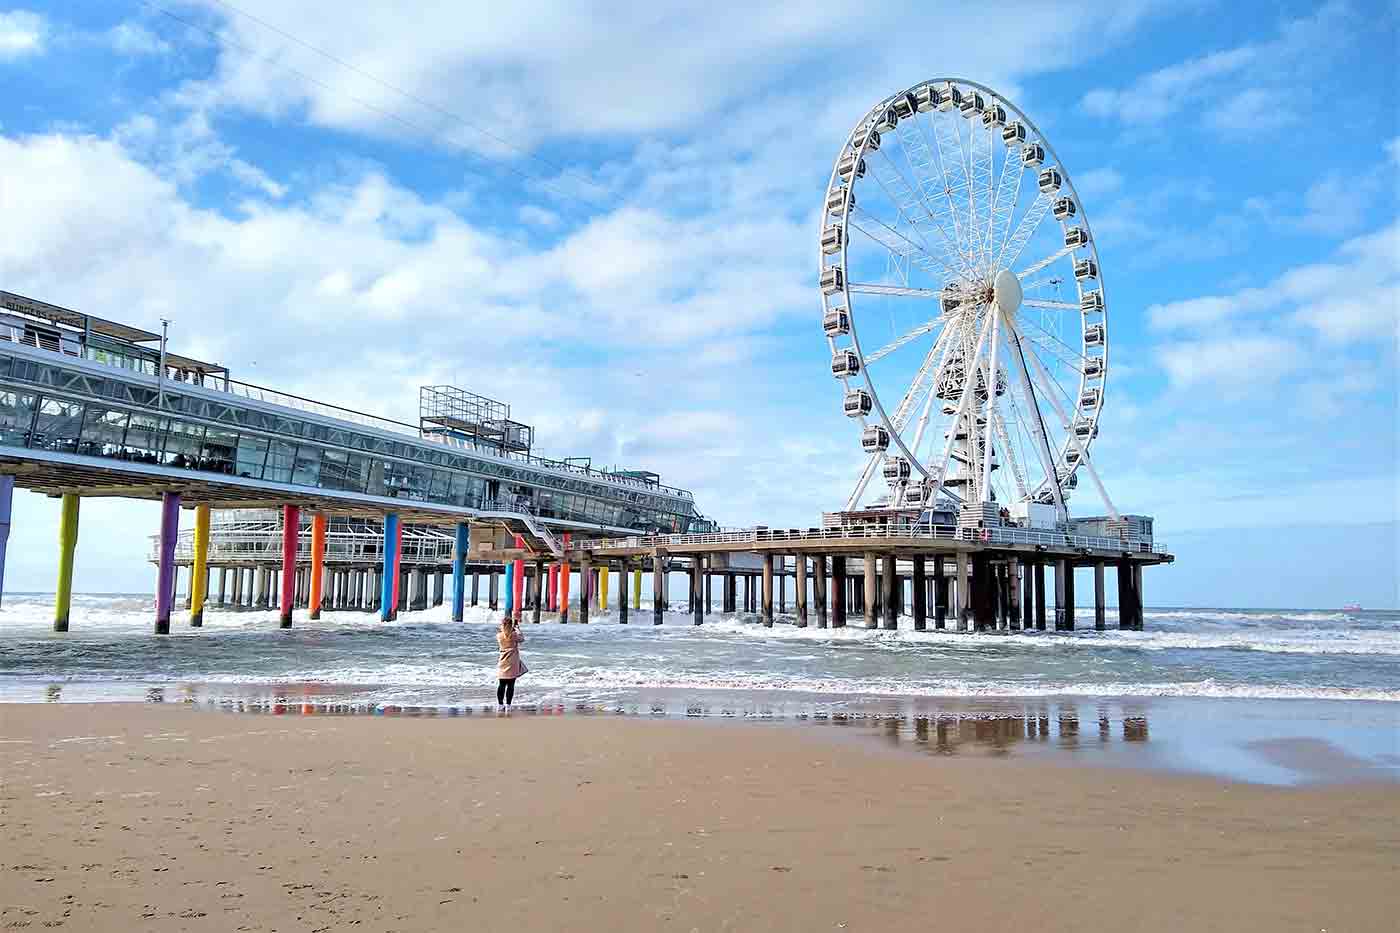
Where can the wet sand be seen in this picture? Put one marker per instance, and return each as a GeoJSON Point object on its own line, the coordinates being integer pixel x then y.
{"type": "Point", "coordinates": [129, 816]}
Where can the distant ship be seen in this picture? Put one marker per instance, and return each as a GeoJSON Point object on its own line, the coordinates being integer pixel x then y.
{"type": "Point", "coordinates": [1351, 607]}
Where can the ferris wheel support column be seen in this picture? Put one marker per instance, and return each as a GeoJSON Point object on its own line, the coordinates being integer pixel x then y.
{"type": "Point", "coordinates": [1043, 448]}
{"type": "Point", "coordinates": [865, 478]}
{"type": "Point", "coordinates": [970, 367]}
{"type": "Point", "coordinates": [1074, 439]}
{"type": "Point", "coordinates": [991, 400]}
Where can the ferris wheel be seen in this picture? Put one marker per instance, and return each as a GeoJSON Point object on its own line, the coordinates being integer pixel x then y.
{"type": "Point", "coordinates": [963, 303]}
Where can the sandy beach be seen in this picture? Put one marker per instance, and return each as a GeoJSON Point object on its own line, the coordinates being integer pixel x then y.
{"type": "Point", "coordinates": [124, 817]}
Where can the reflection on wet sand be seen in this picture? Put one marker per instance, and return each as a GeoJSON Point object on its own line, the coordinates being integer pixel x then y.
{"type": "Point", "coordinates": [995, 732]}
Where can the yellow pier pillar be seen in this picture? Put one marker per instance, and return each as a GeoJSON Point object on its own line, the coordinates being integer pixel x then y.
{"type": "Point", "coordinates": [199, 574]}
{"type": "Point", "coordinates": [67, 545]}
{"type": "Point", "coordinates": [603, 574]}
{"type": "Point", "coordinates": [637, 588]}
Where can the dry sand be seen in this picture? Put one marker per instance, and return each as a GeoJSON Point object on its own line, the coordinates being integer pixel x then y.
{"type": "Point", "coordinates": [131, 817]}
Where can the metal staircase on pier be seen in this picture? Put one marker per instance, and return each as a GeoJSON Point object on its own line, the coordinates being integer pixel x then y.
{"type": "Point", "coordinates": [536, 536]}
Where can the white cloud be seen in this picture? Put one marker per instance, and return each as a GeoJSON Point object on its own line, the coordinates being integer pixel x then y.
{"type": "Point", "coordinates": [1238, 91]}
{"type": "Point", "coordinates": [535, 216]}
{"type": "Point", "coordinates": [1354, 298]}
{"type": "Point", "coordinates": [1098, 183]}
{"type": "Point", "coordinates": [1231, 363]}
{"type": "Point", "coordinates": [1335, 205]}
{"type": "Point", "coordinates": [22, 33]}
{"type": "Point", "coordinates": [521, 70]}
{"type": "Point", "coordinates": [134, 39]}
{"type": "Point", "coordinates": [1392, 149]}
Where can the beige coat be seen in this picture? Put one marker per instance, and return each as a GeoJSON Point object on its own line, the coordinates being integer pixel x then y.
{"type": "Point", "coordinates": [510, 665]}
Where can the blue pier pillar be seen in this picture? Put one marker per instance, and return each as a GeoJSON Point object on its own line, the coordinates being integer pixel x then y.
{"type": "Point", "coordinates": [388, 606]}
{"type": "Point", "coordinates": [7, 495]}
{"type": "Point", "coordinates": [459, 571]}
{"type": "Point", "coordinates": [510, 588]}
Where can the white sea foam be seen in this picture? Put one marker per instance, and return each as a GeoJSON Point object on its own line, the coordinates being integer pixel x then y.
{"type": "Point", "coordinates": [1189, 652]}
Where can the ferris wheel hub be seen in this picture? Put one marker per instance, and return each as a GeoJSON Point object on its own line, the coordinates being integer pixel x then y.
{"type": "Point", "coordinates": [1006, 289]}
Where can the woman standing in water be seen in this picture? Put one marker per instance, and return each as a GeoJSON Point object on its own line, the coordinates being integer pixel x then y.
{"type": "Point", "coordinates": [509, 638]}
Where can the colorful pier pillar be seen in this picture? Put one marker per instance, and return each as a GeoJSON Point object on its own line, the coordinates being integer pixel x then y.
{"type": "Point", "coordinates": [518, 581]}
{"type": "Point", "coordinates": [637, 587]}
{"type": "Point", "coordinates": [199, 574]}
{"type": "Point", "coordinates": [291, 534]}
{"type": "Point", "coordinates": [7, 496]}
{"type": "Point", "coordinates": [603, 574]}
{"type": "Point", "coordinates": [564, 584]}
{"type": "Point", "coordinates": [553, 597]}
{"type": "Point", "coordinates": [388, 585]}
{"type": "Point", "coordinates": [510, 588]}
{"type": "Point", "coordinates": [67, 546]}
{"type": "Point", "coordinates": [398, 568]}
{"type": "Point", "coordinates": [165, 572]}
{"type": "Point", "coordinates": [318, 565]}
{"type": "Point", "coordinates": [459, 571]}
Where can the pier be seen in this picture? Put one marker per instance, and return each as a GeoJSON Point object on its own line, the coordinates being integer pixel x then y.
{"type": "Point", "coordinates": [299, 504]}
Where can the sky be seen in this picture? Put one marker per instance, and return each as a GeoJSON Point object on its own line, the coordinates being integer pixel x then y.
{"type": "Point", "coordinates": [607, 215]}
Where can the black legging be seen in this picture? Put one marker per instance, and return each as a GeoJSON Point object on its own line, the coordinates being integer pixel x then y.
{"type": "Point", "coordinates": [505, 691]}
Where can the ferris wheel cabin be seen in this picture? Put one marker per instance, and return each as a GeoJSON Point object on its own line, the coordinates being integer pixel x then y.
{"type": "Point", "coordinates": [874, 438]}
{"type": "Point", "coordinates": [857, 403]}
{"type": "Point", "coordinates": [845, 363]}
{"type": "Point", "coordinates": [836, 323]}
{"type": "Point", "coordinates": [1063, 208]}
{"type": "Point", "coordinates": [1033, 155]}
{"type": "Point", "coordinates": [1076, 238]}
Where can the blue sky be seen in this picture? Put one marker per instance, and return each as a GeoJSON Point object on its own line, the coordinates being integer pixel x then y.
{"type": "Point", "coordinates": [608, 217]}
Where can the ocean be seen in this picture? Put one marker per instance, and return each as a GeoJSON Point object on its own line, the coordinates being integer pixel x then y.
{"type": "Point", "coordinates": [1197, 686]}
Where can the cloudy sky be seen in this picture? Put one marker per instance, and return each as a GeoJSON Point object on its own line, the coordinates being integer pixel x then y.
{"type": "Point", "coordinates": [608, 218]}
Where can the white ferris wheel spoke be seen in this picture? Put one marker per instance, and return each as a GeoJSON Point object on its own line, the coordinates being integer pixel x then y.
{"type": "Point", "coordinates": [920, 162]}
{"type": "Point", "coordinates": [898, 291]}
{"type": "Point", "coordinates": [902, 340]}
{"type": "Point", "coordinates": [950, 153]}
{"type": "Point", "coordinates": [1063, 352]}
{"type": "Point", "coordinates": [907, 201]}
{"type": "Point", "coordinates": [920, 159]}
{"type": "Point", "coordinates": [1003, 211]}
{"type": "Point", "coordinates": [1047, 459]}
{"type": "Point", "coordinates": [901, 197]}
{"type": "Point", "coordinates": [1036, 266]}
{"type": "Point", "coordinates": [1050, 304]}
{"type": "Point", "coordinates": [1030, 221]}
{"type": "Point", "coordinates": [898, 244]}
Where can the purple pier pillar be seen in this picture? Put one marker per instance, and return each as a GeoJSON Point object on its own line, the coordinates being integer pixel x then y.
{"type": "Point", "coordinates": [7, 495]}
{"type": "Point", "coordinates": [165, 577]}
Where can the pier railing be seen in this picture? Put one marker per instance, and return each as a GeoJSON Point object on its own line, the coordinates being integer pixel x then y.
{"type": "Point", "coordinates": [1031, 536]}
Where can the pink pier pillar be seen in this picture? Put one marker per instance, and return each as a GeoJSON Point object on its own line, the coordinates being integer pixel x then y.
{"type": "Point", "coordinates": [291, 529]}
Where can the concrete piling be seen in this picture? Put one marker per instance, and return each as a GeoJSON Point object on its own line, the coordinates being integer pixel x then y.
{"type": "Point", "coordinates": [768, 589]}
{"type": "Point", "coordinates": [889, 585]}
{"type": "Point", "coordinates": [800, 589]}
{"type": "Point", "coordinates": [919, 585]}
{"type": "Point", "coordinates": [658, 585]}
{"type": "Point", "coordinates": [1098, 597]}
